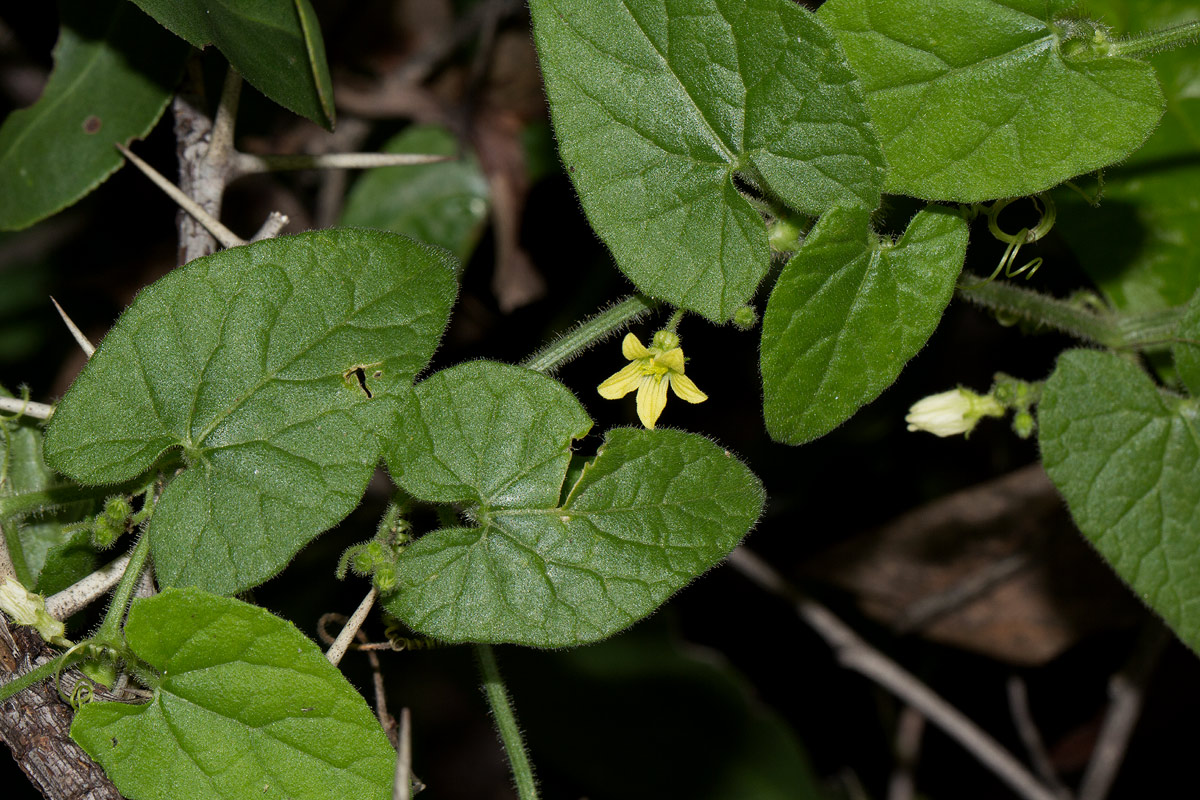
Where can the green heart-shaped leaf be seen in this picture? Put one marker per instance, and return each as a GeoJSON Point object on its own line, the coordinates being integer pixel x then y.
{"type": "Point", "coordinates": [45, 552]}
{"type": "Point", "coordinates": [275, 44]}
{"type": "Point", "coordinates": [848, 312]}
{"type": "Point", "coordinates": [658, 105]}
{"type": "Point", "coordinates": [247, 707]}
{"type": "Point", "coordinates": [1186, 350]}
{"type": "Point", "coordinates": [1126, 457]}
{"type": "Point", "coordinates": [545, 566]}
{"type": "Point", "coordinates": [1141, 245]}
{"type": "Point", "coordinates": [114, 71]}
{"type": "Point", "coordinates": [975, 99]}
{"type": "Point", "coordinates": [269, 366]}
{"type": "Point", "coordinates": [444, 204]}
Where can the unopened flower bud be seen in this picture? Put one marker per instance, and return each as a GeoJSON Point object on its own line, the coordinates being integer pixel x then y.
{"type": "Point", "coordinates": [951, 413]}
{"type": "Point", "coordinates": [745, 318]}
{"type": "Point", "coordinates": [1023, 424]}
{"type": "Point", "coordinates": [26, 608]}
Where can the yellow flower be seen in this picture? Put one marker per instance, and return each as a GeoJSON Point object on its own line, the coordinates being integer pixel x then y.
{"type": "Point", "coordinates": [650, 371]}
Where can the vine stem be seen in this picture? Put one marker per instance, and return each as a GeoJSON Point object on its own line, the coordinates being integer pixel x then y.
{"type": "Point", "coordinates": [1140, 45]}
{"type": "Point", "coordinates": [1117, 331]}
{"type": "Point", "coordinates": [20, 684]}
{"type": "Point", "coordinates": [28, 502]}
{"type": "Point", "coordinates": [506, 722]}
{"type": "Point", "coordinates": [589, 332]}
{"type": "Point", "coordinates": [110, 629]}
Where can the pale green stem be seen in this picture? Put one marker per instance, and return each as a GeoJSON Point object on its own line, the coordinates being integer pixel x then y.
{"type": "Point", "coordinates": [673, 323]}
{"type": "Point", "coordinates": [506, 722]}
{"type": "Point", "coordinates": [23, 682]}
{"type": "Point", "coordinates": [588, 332]}
{"type": "Point", "coordinates": [1117, 331]}
{"type": "Point", "coordinates": [12, 549]}
{"type": "Point", "coordinates": [1140, 45]}
{"type": "Point", "coordinates": [110, 629]}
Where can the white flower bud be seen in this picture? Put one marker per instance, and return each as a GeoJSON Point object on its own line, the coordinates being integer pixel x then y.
{"type": "Point", "coordinates": [951, 413]}
{"type": "Point", "coordinates": [26, 608]}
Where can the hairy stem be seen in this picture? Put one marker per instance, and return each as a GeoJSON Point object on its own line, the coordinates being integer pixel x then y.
{"type": "Point", "coordinates": [17, 505]}
{"type": "Point", "coordinates": [1140, 45]}
{"type": "Point", "coordinates": [589, 332]}
{"type": "Point", "coordinates": [18, 685]}
{"type": "Point", "coordinates": [1117, 331]}
{"type": "Point", "coordinates": [506, 722]}
{"type": "Point", "coordinates": [110, 628]}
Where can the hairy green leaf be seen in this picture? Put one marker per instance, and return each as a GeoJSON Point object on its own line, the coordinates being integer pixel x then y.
{"type": "Point", "coordinates": [444, 204]}
{"type": "Point", "coordinates": [980, 99]}
{"type": "Point", "coordinates": [268, 366]}
{"type": "Point", "coordinates": [658, 106]}
{"type": "Point", "coordinates": [652, 511]}
{"type": "Point", "coordinates": [1142, 244]}
{"type": "Point", "coordinates": [42, 543]}
{"type": "Point", "coordinates": [1125, 456]}
{"type": "Point", "coordinates": [114, 71]}
{"type": "Point", "coordinates": [848, 312]}
{"type": "Point", "coordinates": [1186, 349]}
{"type": "Point", "coordinates": [276, 45]}
{"type": "Point", "coordinates": [247, 707]}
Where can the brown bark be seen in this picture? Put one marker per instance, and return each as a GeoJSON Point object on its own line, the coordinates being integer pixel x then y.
{"type": "Point", "coordinates": [36, 724]}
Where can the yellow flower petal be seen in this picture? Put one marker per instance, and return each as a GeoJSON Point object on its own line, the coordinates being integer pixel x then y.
{"type": "Point", "coordinates": [684, 388]}
{"type": "Point", "coordinates": [622, 383]}
{"type": "Point", "coordinates": [672, 360]}
{"type": "Point", "coordinates": [631, 347]}
{"type": "Point", "coordinates": [651, 399]}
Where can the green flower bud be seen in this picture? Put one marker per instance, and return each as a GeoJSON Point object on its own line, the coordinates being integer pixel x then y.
{"type": "Point", "coordinates": [117, 509]}
{"type": "Point", "coordinates": [745, 318]}
{"type": "Point", "coordinates": [105, 532]}
{"type": "Point", "coordinates": [785, 236]}
{"type": "Point", "coordinates": [385, 578]}
{"type": "Point", "coordinates": [1023, 424]}
{"type": "Point", "coordinates": [362, 562]}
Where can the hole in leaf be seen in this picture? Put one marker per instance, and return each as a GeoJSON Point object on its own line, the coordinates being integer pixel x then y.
{"type": "Point", "coordinates": [359, 375]}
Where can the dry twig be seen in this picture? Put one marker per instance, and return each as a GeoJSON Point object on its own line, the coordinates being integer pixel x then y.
{"type": "Point", "coordinates": [854, 653]}
{"type": "Point", "coordinates": [1127, 689]}
{"type": "Point", "coordinates": [909, 730]}
{"type": "Point", "coordinates": [1018, 704]}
